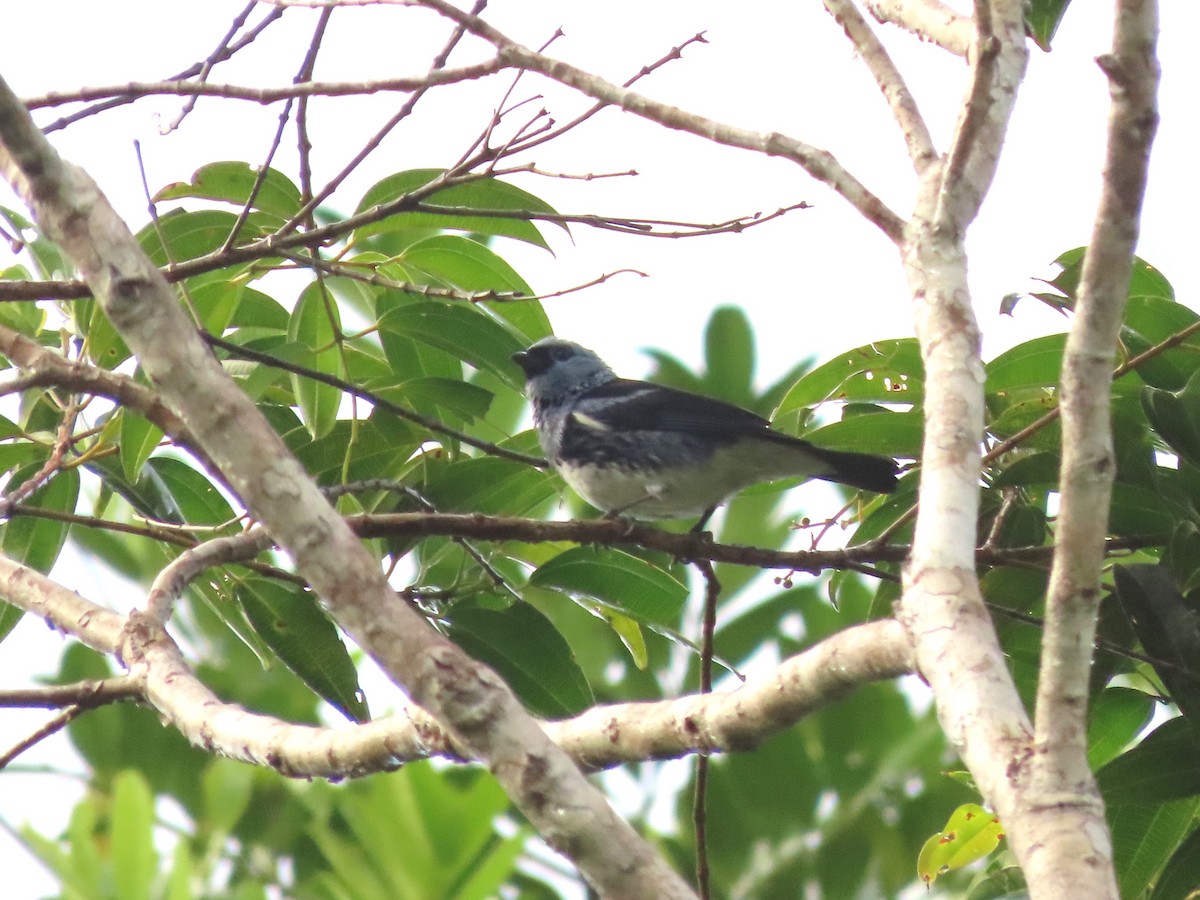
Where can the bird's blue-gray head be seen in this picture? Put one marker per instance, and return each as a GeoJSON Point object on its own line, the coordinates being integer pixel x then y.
{"type": "Point", "coordinates": [557, 371]}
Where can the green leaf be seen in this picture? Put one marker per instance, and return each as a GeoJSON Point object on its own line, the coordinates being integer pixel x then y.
{"type": "Point", "coordinates": [37, 542]}
{"type": "Point", "coordinates": [1181, 875]}
{"type": "Point", "coordinates": [316, 326]}
{"type": "Point", "coordinates": [295, 627]}
{"type": "Point", "coordinates": [465, 333]}
{"type": "Point", "coordinates": [729, 355]}
{"type": "Point", "coordinates": [1035, 363]}
{"type": "Point", "coordinates": [139, 438]}
{"type": "Point", "coordinates": [489, 486]}
{"type": "Point", "coordinates": [894, 434]}
{"type": "Point", "coordinates": [887, 371]}
{"type": "Point", "coordinates": [451, 260]}
{"type": "Point", "coordinates": [1164, 766]}
{"type": "Point", "coordinates": [528, 653]}
{"type": "Point", "coordinates": [181, 234]}
{"type": "Point", "coordinates": [9, 617]}
{"type": "Point", "coordinates": [1176, 417]}
{"type": "Point", "coordinates": [621, 580]}
{"type": "Point", "coordinates": [970, 834]}
{"type": "Point", "coordinates": [1168, 628]}
{"type": "Point", "coordinates": [228, 788]}
{"type": "Point", "coordinates": [487, 193]}
{"type": "Point", "coordinates": [1117, 717]}
{"type": "Point", "coordinates": [135, 862]}
{"type": "Point", "coordinates": [1042, 18]}
{"type": "Point", "coordinates": [233, 182]}
{"type": "Point", "coordinates": [1151, 319]}
{"type": "Point", "coordinates": [191, 496]}
{"type": "Point", "coordinates": [456, 399]}
{"type": "Point", "coordinates": [1144, 837]}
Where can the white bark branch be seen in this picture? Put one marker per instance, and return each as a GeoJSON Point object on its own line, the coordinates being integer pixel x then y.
{"type": "Point", "coordinates": [891, 83]}
{"type": "Point", "coordinates": [475, 704]}
{"type": "Point", "coordinates": [600, 738]}
{"type": "Point", "coordinates": [1062, 781]}
{"type": "Point", "coordinates": [956, 645]}
{"type": "Point", "coordinates": [929, 20]}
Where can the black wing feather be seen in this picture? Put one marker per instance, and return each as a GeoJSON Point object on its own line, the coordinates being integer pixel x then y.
{"type": "Point", "coordinates": [625, 405]}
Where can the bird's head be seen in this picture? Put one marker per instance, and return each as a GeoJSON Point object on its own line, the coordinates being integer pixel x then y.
{"type": "Point", "coordinates": [557, 370]}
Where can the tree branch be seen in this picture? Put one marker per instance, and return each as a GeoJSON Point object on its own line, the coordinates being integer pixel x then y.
{"type": "Point", "coordinates": [135, 90]}
{"type": "Point", "coordinates": [891, 83]}
{"type": "Point", "coordinates": [930, 20]}
{"type": "Point", "coordinates": [955, 643]}
{"type": "Point", "coordinates": [601, 738]}
{"type": "Point", "coordinates": [1061, 776]}
{"type": "Point", "coordinates": [820, 164]}
{"type": "Point", "coordinates": [475, 704]}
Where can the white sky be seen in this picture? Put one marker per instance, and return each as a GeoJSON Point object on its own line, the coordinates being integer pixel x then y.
{"type": "Point", "coordinates": [815, 282]}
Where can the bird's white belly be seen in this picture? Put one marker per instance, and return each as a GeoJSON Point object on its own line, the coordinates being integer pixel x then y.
{"type": "Point", "coordinates": [642, 494]}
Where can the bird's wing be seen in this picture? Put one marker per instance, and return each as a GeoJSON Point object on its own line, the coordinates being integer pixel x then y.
{"type": "Point", "coordinates": [625, 405]}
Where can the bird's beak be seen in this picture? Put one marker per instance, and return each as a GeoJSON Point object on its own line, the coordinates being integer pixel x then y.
{"type": "Point", "coordinates": [520, 358]}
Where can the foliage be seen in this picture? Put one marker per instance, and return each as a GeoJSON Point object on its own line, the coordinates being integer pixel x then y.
{"type": "Point", "coordinates": [414, 316]}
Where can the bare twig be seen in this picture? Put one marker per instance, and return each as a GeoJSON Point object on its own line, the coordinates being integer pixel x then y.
{"type": "Point", "coordinates": [820, 164]}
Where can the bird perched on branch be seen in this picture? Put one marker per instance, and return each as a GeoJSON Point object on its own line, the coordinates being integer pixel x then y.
{"type": "Point", "coordinates": [652, 452]}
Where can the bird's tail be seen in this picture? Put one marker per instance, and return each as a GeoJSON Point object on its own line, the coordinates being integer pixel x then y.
{"type": "Point", "coordinates": [858, 470]}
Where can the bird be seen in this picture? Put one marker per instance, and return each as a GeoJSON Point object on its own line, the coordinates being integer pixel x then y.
{"type": "Point", "coordinates": [645, 451]}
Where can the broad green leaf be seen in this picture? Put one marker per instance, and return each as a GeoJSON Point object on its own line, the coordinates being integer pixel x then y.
{"type": "Point", "coordinates": [316, 325]}
{"type": "Point", "coordinates": [1164, 766]}
{"type": "Point", "coordinates": [193, 496]}
{"type": "Point", "coordinates": [180, 234]}
{"type": "Point", "coordinates": [139, 438]}
{"type": "Point", "coordinates": [484, 194]}
{"type": "Point", "coordinates": [888, 371]}
{"type": "Point", "coordinates": [489, 486]}
{"type": "Point", "coordinates": [621, 580]}
{"type": "Point", "coordinates": [1117, 717]}
{"type": "Point", "coordinates": [37, 542]}
{"type": "Point", "coordinates": [1151, 319]}
{"type": "Point", "coordinates": [524, 648]}
{"type": "Point", "coordinates": [1168, 627]}
{"type": "Point", "coordinates": [1142, 511]}
{"type": "Point", "coordinates": [1035, 363]}
{"type": "Point", "coordinates": [377, 448]}
{"type": "Point", "coordinates": [135, 862]}
{"type": "Point", "coordinates": [179, 881]}
{"type": "Point", "coordinates": [453, 399]}
{"type": "Point", "coordinates": [1144, 837]}
{"type": "Point", "coordinates": [233, 182]}
{"type": "Point", "coordinates": [228, 789]}
{"type": "Point", "coordinates": [454, 261]}
{"type": "Point", "coordinates": [465, 333]}
{"type": "Point", "coordinates": [295, 627]}
{"type": "Point", "coordinates": [1175, 416]}
{"type": "Point", "coordinates": [729, 355]}
{"type": "Point", "coordinates": [885, 433]}
{"type": "Point", "coordinates": [9, 617]}
{"type": "Point", "coordinates": [971, 833]}
{"type": "Point", "coordinates": [1042, 18]}
{"type": "Point", "coordinates": [1181, 875]}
